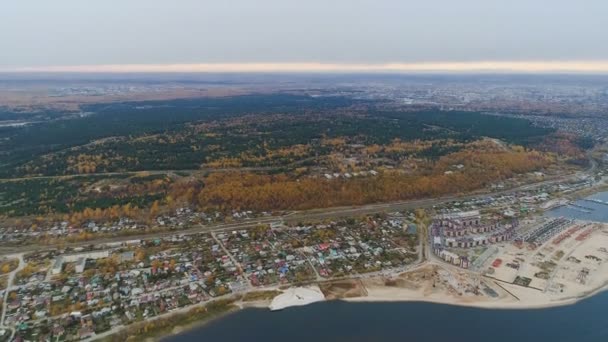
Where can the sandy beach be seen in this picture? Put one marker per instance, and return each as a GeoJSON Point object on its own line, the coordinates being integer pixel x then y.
{"type": "Point", "coordinates": [528, 299]}
{"type": "Point", "coordinates": [575, 268]}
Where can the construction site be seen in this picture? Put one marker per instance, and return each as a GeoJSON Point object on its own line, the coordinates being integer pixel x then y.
{"type": "Point", "coordinates": [561, 258]}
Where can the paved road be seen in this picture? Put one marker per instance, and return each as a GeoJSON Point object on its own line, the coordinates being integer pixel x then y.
{"type": "Point", "coordinates": [195, 229]}
{"type": "Point", "coordinates": [294, 217]}
{"type": "Point", "coordinates": [152, 172]}
{"type": "Point", "coordinates": [299, 216]}
{"type": "Point", "coordinates": [9, 283]}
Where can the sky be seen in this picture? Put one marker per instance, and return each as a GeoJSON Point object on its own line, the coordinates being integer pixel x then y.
{"type": "Point", "coordinates": [287, 35]}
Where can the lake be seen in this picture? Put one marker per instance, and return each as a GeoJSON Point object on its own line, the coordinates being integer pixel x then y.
{"type": "Point", "coordinates": [597, 212]}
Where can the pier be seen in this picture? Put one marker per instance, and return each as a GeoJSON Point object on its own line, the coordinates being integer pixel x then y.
{"type": "Point", "coordinates": [580, 208]}
{"type": "Point", "coordinates": [597, 201]}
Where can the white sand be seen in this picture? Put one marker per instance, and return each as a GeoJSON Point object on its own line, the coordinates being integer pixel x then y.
{"type": "Point", "coordinates": [561, 289]}
{"type": "Point", "coordinates": [297, 296]}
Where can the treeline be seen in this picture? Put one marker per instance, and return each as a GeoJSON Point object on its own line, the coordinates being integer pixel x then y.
{"type": "Point", "coordinates": [275, 140]}
{"type": "Point", "coordinates": [227, 191]}
{"type": "Point", "coordinates": [18, 145]}
{"type": "Point", "coordinates": [153, 328]}
{"type": "Point", "coordinates": [475, 124]}
{"type": "Point", "coordinates": [95, 198]}
{"type": "Point", "coordinates": [39, 196]}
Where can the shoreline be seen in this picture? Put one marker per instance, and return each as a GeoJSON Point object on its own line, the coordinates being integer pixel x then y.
{"type": "Point", "coordinates": [238, 306]}
{"type": "Point", "coordinates": [234, 303]}
{"type": "Point", "coordinates": [139, 330]}
{"type": "Point", "coordinates": [179, 329]}
{"type": "Point", "coordinates": [490, 305]}
{"type": "Point", "coordinates": [483, 305]}
{"type": "Point", "coordinates": [531, 299]}
{"type": "Point", "coordinates": [452, 301]}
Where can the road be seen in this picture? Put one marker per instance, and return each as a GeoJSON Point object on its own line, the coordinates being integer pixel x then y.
{"type": "Point", "coordinates": [232, 258]}
{"type": "Point", "coordinates": [132, 173]}
{"type": "Point", "coordinates": [9, 283]}
{"type": "Point", "coordinates": [105, 240]}
{"type": "Point", "coordinates": [426, 256]}
{"type": "Point", "coordinates": [293, 218]}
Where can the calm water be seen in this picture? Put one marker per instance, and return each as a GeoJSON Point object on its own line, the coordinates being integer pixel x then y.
{"type": "Point", "coordinates": [599, 212]}
{"type": "Point", "coordinates": [586, 321]}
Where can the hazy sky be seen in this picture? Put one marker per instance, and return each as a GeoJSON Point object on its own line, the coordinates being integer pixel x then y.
{"type": "Point", "coordinates": [82, 32]}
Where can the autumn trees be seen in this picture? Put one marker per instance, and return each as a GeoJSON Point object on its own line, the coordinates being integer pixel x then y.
{"type": "Point", "coordinates": [8, 265]}
{"type": "Point", "coordinates": [478, 165]}
{"type": "Point", "coordinates": [417, 150]}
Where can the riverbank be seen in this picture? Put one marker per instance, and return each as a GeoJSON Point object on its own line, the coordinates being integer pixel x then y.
{"type": "Point", "coordinates": [577, 195]}
{"type": "Point", "coordinates": [409, 321]}
{"type": "Point", "coordinates": [560, 272]}
{"type": "Point", "coordinates": [440, 283]}
{"type": "Point", "coordinates": [297, 296]}
{"type": "Point", "coordinates": [530, 301]}
{"type": "Point", "coordinates": [188, 318]}
{"type": "Point", "coordinates": [174, 323]}
{"type": "Point", "coordinates": [280, 321]}
{"type": "Point", "coordinates": [375, 291]}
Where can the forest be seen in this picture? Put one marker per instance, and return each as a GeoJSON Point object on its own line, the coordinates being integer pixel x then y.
{"type": "Point", "coordinates": [18, 145]}
{"type": "Point", "coordinates": [262, 152]}
{"type": "Point", "coordinates": [250, 131]}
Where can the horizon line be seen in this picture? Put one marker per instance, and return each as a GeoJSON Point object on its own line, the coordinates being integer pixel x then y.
{"type": "Point", "coordinates": [549, 66]}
